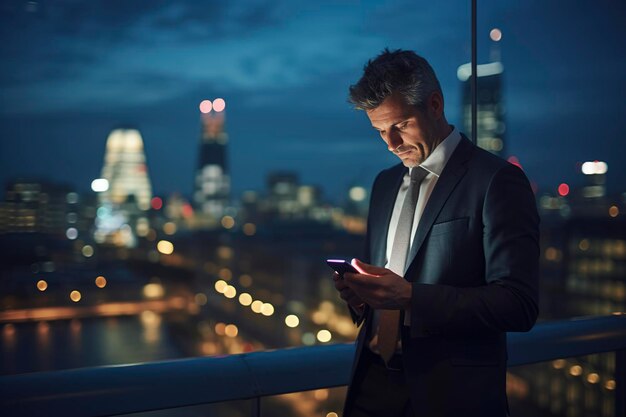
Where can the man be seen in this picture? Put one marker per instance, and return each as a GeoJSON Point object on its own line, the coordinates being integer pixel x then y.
{"type": "Point", "coordinates": [451, 259]}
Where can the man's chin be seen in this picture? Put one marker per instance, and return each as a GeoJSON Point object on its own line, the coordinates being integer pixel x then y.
{"type": "Point", "coordinates": [410, 163]}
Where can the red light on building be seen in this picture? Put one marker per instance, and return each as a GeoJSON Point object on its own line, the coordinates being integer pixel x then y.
{"type": "Point", "coordinates": [563, 190]}
{"type": "Point", "coordinates": [156, 203]}
{"type": "Point", "coordinates": [187, 210]}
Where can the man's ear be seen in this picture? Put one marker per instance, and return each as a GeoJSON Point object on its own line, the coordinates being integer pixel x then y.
{"type": "Point", "coordinates": [435, 105]}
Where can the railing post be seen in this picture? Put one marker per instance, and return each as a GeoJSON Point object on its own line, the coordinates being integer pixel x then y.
{"type": "Point", "coordinates": [620, 383]}
{"type": "Point", "coordinates": [256, 407]}
{"type": "Point", "coordinates": [474, 77]}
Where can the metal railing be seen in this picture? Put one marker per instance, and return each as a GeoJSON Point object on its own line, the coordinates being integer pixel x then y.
{"type": "Point", "coordinates": [124, 389]}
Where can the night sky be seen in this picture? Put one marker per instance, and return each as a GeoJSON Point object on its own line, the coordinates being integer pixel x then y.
{"type": "Point", "coordinates": [73, 70]}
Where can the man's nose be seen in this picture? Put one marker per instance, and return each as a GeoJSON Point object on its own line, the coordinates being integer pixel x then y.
{"type": "Point", "coordinates": [393, 140]}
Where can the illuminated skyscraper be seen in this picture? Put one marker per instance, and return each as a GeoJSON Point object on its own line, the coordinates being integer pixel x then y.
{"type": "Point", "coordinates": [125, 170]}
{"type": "Point", "coordinates": [490, 111]}
{"type": "Point", "coordinates": [124, 191]}
{"type": "Point", "coordinates": [212, 182]}
{"type": "Point", "coordinates": [595, 173]}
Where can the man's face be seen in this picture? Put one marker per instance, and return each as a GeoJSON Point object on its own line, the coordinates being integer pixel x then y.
{"type": "Point", "coordinates": [409, 132]}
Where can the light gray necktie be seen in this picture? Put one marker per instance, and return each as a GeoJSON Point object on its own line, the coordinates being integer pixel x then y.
{"type": "Point", "coordinates": [389, 324]}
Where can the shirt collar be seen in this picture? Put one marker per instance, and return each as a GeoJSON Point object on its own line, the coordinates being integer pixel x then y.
{"type": "Point", "coordinates": [436, 161]}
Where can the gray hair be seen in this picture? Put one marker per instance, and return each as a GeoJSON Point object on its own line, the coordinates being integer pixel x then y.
{"type": "Point", "coordinates": [399, 71]}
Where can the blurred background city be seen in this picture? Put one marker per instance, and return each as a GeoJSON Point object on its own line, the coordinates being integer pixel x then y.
{"type": "Point", "coordinates": [174, 174]}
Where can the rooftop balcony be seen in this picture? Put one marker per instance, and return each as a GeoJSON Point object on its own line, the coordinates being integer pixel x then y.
{"type": "Point", "coordinates": [117, 390]}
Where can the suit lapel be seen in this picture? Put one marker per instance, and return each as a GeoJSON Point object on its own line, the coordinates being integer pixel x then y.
{"type": "Point", "coordinates": [390, 188]}
{"type": "Point", "coordinates": [452, 173]}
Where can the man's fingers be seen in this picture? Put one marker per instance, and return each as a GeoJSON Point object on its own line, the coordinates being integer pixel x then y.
{"type": "Point", "coordinates": [340, 284]}
{"type": "Point", "coordinates": [350, 297]}
{"type": "Point", "coordinates": [346, 294]}
{"type": "Point", "coordinates": [360, 280]}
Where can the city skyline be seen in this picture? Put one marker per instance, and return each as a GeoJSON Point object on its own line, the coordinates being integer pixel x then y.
{"type": "Point", "coordinates": [284, 70]}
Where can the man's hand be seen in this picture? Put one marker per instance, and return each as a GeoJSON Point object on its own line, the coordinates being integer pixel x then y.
{"type": "Point", "coordinates": [347, 294]}
{"type": "Point", "coordinates": [379, 287]}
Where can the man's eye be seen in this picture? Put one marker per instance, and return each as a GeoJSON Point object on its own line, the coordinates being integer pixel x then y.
{"type": "Point", "coordinates": [403, 126]}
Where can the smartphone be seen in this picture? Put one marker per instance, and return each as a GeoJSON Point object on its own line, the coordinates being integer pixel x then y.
{"type": "Point", "coordinates": [341, 266]}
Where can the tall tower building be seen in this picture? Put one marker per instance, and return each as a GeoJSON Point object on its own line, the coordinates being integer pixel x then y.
{"type": "Point", "coordinates": [124, 190]}
{"type": "Point", "coordinates": [490, 111]}
{"type": "Point", "coordinates": [125, 170]}
{"type": "Point", "coordinates": [212, 182]}
{"type": "Point", "coordinates": [490, 107]}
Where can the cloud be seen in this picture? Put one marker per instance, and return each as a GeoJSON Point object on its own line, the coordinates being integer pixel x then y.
{"type": "Point", "coordinates": [108, 55]}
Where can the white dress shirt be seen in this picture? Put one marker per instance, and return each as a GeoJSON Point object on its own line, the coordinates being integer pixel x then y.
{"type": "Point", "coordinates": [434, 164]}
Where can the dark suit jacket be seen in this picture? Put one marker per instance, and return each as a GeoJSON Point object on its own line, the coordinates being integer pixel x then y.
{"type": "Point", "coordinates": [474, 271]}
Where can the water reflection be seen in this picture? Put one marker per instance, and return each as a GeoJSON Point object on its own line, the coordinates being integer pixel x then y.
{"type": "Point", "coordinates": [76, 336]}
{"type": "Point", "coordinates": [63, 344]}
{"type": "Point", "coordinates": [151, 323]}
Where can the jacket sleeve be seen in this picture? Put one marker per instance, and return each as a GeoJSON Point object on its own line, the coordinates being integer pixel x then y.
{"type": "Point", "coordinates": [508, 301]}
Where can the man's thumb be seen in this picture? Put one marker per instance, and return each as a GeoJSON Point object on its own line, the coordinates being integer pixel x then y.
{"type": "Point", "coordinates": [367, 268]}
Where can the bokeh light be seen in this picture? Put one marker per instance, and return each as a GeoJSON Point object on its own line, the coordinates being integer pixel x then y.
{"type": "Point", "coordinates": [230, 292]}
{"type": "Point", "coordinates": [249, 229]}
{"type": "Point", "coordinates": [231, 330]}
{"type": "Point", "coordinates": [267, 309]}
{"type": "Point", "coordinates": [228, 222]}
{"type": "Point", "coordinates": [156, 203]}
{"type": "Point", "coordinates": [220, 286]}
{"type": "Point", "coordinates": [358, 193]}
{"type": "Point", "coordinates": [169, 228]}
{"type": "Point", "coordinates": [308, 339]}
{"type": "Point", "coordinates": [496, 35]}
{"type": "Point", "coordinates": [576, 370]}
{"type": "Point", "coordinates": [245, 299]}
{"type": "Point", "coordinates": [324, 336]}
{"type": "Point", "coordinates": [292, 321]}
{"type": "Point", "coordinates": [75, 296]}
{"type": "Point", "coordinates": [594, 168]}
{"type": "Point", "coordinates": [201, 299]}
{"type": "Point", "coordinates": [101, 282]}
{"type": "Point", "coordinates": [205, 106]}
{"type": "Point", "coordinates": [220, 329]}
{"type": "Point", "coordinates": [87, 251]}
{"type": "Point", "coordinates": [256, 306]}
{"type": "Point", "coordinates": [165, 247]}
{"type": "Point", "coordinates": [153, 290]}
{"type": "Point", "coordinates": [219, 104]}
{"type": "Point", "coordinates": [593, 378]}
{"type": "Point", "coordinates": [100, 185]}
